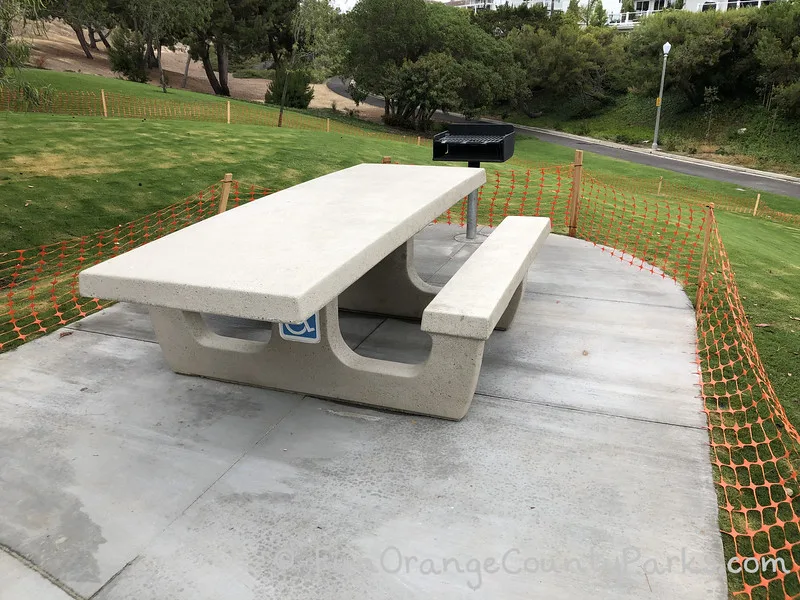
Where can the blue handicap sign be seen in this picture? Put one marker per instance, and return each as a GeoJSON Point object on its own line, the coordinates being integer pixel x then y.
{"type": "Point", "coordinates": [307, 331]}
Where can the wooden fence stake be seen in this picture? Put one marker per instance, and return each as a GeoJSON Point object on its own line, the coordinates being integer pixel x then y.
{"type": "Point", "coordinates": [229, 112]}
{"type": "Point", "coordinates": [577, 170]}
{"type": "Point", "coordinates": [709, 222]}
{"type": "Point", "coordinates": [103, 97]}
{"type": "Point", "coordinates": [755, 208]}
{"type": "Point", "coordinates": [660, 181]}
{"type": "Point", "coordinates": [328, 125]}
{"type": "Point", "coordinates": [226, 191]}
{"type": "Point", "coordinates": [419, 140]}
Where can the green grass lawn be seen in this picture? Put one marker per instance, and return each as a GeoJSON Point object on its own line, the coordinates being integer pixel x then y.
{"type": "Point", "coordinates": [528, 150]}
{"type": "Point", "coordinates": [766, 259]}
{"type": "Point", "coordinates": [68, 176]}
{"type": "Point", "coordinates": [78, 82]}
{"type": "Point", "coordinates": [62, 177]}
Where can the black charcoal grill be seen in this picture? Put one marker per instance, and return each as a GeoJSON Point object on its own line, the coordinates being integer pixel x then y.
{"type": "Point", "coordinates": [474, 143]}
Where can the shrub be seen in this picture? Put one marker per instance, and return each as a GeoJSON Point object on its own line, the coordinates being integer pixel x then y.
{"type": "Point", "coordinates": [787, 99]}
{"type": "Point", "coordinates": [127, 55]}
{"type": "Point", "coordinates": [248, 73]}
{"type": "Point", "coordinates": [298, 90]}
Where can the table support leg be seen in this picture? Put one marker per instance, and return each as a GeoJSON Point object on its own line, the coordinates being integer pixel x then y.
{"type": "Point", "coordinates": [442, 386]}
{"type": "Point", "coordinates": [392, 288]}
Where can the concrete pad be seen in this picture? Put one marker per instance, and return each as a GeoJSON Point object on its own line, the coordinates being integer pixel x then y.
{"type": "Point", "coordinates": [338, 504]}
{"type": "Point", "coordinates": [123, 479]}
{"type": "Point", "coordinates": [430, 256]}
{"type": "Point", "coordinates": [565, 266]}
{"type": "Point", "coordinates": [103, 446]}
{"type": "Point", "coordinates": [18, 581]}
{"type": "Point", "coordinates": [637, 361]}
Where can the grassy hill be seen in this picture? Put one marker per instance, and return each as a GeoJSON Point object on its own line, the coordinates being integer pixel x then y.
{"type": "Point", "coordinates": [767, 143]}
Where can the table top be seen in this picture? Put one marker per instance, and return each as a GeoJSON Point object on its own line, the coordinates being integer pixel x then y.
{"type": "Point", "coordinates": [285, 256]}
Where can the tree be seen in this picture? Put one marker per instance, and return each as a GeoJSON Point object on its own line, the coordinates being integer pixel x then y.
{"type": "Point", "coordinates": [777, 51]}
{"type": "Point", "coordinates": [574, 11]}
{"type": "Point", "coordinates": [78, 14]}
{"type": "Point", "coordinates": [628, 6]}
{"type": "Point", "coordinates": [289, 88]}
{"type": "Point", "coordinates": [241, 28]}
{"type": "Point", "coordinates": [319, 35]}
{"type": "Point", "coordinates": [571, 64]}
{"type": "Point", "coordinates": [420, 88]}
{"type": "Point", "coordinates": [787, 100]}
{"type": "Point", "coordinates": [593, 14]}
{"type": "Point", "coordinates": [14, 53]}
{"type": "Point", "coordinates": [380, 37]}
{"type": "Point", "coordinates": [127, 54]}
{"type": "Point", "coordinates": [392, 45]}
{"type": "Point", "coordinates": [710, 100]}
{"type": "Point", "coordinates": [162, 22]}
{"type": "Point", "coordinates": [709, 49]}
{"type": "Point", "coordinates": [504, 20]}
{"type": "Point", "coordinates": [599, 17]}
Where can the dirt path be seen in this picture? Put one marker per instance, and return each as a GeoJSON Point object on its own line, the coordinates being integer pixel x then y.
{"type": "Point", "coordinates": [57, 49]}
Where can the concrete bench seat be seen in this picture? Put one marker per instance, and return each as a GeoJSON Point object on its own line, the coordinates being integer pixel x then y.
{"type": "Point", "coordinates": [297, 256]}
{"type": "Point", "coordinates": [485, 293]}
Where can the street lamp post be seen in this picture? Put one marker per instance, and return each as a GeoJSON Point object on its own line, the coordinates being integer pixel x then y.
{"type": "Point", "coordinates": [667, 48]}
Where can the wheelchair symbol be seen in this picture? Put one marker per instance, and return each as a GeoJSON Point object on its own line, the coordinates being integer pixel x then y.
{"type": "Point", "coordinates": [306, 332]}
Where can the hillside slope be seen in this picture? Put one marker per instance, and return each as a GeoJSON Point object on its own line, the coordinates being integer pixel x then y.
{"type": "Point", "coordinates": [745, 134]}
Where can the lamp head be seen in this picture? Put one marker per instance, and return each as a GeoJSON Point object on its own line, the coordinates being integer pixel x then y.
{"type": "Point", "coordinates": [667, 48]}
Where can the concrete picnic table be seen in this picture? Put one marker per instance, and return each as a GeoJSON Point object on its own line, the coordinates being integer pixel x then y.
{"type": "Point", "coordinates": [296, 257]}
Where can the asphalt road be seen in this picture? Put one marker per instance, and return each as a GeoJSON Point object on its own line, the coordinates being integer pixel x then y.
{"type": "Point", "coordinates": [763, 183]}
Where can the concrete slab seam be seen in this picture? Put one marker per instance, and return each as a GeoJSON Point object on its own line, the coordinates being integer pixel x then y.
{"type": "Point", "coordinates": [590, 412]}
{"type": "Point", "coordinates": [232, 465]}
{"type": "Point", "coordinates": [449, 258]}
{"type": "Point", "coordinates": [115, 335]}
{"type": "Point", "coordinates": [39, 570]}
{"type": "Point", "coordinates": [111, 579]}
{"type": "Point", "coordinates": [366, 337]}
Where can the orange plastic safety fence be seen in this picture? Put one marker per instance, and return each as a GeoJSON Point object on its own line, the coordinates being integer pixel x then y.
{"type": "Point", "coordinates": [63, 103]}
{"type": "Point", "coordinates": [659, 236]}
{"type": "Point", "coordinates": [39, 286]}
{"type": "Point", "coordinates": [666, 190]}
{"type": "Point", "coordinates": [531, 192]}
{"type": "Point", "coordinates": [136, 107]}
{"type": "Point", "coordinates": [754, 447]}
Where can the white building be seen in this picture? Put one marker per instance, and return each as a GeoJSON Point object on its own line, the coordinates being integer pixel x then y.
{"type": "Point", "coordinates": [621, 20]}
{"type": "Point", "coordinates": [616, 18]}
{"type": "Point", "coordinates": [559, 5]}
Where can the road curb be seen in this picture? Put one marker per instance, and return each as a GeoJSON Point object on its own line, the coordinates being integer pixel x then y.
{"type": "Point", "coordinates": [664, 155]}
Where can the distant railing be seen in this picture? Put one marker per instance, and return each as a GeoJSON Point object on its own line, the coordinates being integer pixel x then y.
{"type": "Point", "coordinates": [629, 18]}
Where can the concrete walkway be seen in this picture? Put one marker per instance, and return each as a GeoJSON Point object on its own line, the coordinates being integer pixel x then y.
{"type": "Point", "coordinates": [581, 470]}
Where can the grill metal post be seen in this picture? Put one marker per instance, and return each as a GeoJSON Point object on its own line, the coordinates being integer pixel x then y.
{"type": "Point", "coordinates": [474, 143]}
{"type": "Point", "coordinates": [472, 207]}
